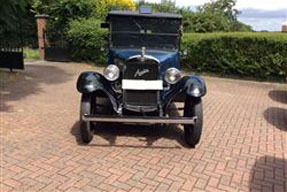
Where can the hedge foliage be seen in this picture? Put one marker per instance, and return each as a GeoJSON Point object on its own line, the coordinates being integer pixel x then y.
{"type": "Point", "coordinates": [259, 55]}
{"type": "Point", "coordinates": [87, 39]}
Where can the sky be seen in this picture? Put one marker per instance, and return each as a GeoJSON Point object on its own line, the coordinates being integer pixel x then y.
{"type": "Point", "coordinates": [241, 4]}
{"type": "Point", "coordinates": [262, 15]}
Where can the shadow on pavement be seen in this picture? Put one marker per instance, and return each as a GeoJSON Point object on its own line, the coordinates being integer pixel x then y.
{"type": "Point", "coordinates": [29, 82]}
{"type": "Point", "coordinates": [151, 134]}
{"type": "Point", "coordinates": [269, 174]}
{"type": "Point", "coordinates": [277, 117]}
{"type": "Point", "coordinates": [279, 96]}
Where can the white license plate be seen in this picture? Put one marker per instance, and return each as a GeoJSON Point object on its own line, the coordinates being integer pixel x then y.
{"type": "Point", "coordinates": [142, 84]}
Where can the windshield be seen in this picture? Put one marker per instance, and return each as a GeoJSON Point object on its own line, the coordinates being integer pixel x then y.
{"type": "Point", "coordinates": [137, 32]}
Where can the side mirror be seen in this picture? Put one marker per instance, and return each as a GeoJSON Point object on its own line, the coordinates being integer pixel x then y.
{"type": "Point", "coordinates": [105, 25]}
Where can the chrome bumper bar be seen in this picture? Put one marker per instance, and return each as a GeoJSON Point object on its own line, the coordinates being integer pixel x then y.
{"type": "Point", "coordinates": [146, 120]}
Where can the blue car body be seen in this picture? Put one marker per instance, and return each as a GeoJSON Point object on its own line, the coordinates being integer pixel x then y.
{"type": "Point", "coordinates": [167, 59]}
{"type": "Point", "coordinates": [189, 85]}
{"type": "Point", "coordinates": [142, 78]}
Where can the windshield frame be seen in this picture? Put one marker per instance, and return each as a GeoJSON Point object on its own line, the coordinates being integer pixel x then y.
{"type": "Point", "coordinates": [145, 33]}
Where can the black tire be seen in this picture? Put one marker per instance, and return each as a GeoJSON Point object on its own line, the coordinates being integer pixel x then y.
{"type": "Point", "coordinates": [87, 128]}
{"type": "Point", "coordinates": [192, 133]}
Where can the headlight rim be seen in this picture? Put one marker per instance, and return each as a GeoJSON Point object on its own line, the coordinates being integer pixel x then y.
{"type": "Point", "coordinates": [116, 76]}
{"type": "Point", "coordinates": [178, 75]}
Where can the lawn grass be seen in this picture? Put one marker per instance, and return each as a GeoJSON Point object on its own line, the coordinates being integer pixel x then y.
{"type": "Point", "coordinates": [31, 54]}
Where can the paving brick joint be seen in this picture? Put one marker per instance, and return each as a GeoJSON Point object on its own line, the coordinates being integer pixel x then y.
{"type": "Point", "coordinates": [243, 147]}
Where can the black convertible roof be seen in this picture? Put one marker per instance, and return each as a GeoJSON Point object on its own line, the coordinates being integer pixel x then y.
{"type": "Point", "coordinates": [152, 15]}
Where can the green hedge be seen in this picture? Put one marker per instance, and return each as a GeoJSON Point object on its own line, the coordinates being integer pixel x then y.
{"type": "Point", "coordinates": [87, 40]}
{"type": "Point", "coordinates": [259, 55]}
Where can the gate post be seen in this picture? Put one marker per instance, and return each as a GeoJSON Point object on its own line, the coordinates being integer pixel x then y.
{"type": "Point", "coordinates": [41, 26]}
{"type": "Point", "coordinates": [284, 27]}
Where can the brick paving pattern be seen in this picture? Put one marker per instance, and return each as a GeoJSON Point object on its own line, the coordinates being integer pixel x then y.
{"type": "Point", "coordinates": [243, 148]}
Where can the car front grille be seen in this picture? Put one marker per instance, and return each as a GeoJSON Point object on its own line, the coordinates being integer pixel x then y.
{"type": "Point", "coordinates": [140, 98]}
{"type": "Point", "coordinates": [141, 71]}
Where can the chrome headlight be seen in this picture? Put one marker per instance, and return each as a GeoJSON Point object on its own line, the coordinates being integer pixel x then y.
{"type": "Point", "coordinates": [112, 73]}
{"type": "Point", "coordinates": [172, 75]}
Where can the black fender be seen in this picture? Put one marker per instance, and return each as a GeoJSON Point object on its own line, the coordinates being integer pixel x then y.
{"type": "Point", "coordinates": [89, 82]}
{"type": "Point", "coordinates": [192, 85]}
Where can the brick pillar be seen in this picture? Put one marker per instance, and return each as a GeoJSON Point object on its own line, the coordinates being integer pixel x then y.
{"type": "Point", "coordinates": [41, 26]}
{"type": "Point", "coordinates": [284, 27]}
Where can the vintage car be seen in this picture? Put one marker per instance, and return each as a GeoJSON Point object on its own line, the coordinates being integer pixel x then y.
{"type": "Point", "coordinates": [142, 78]}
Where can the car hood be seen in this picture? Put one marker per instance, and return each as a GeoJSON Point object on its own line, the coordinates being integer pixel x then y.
{"type": "Point", "coordinates": [167, 59]}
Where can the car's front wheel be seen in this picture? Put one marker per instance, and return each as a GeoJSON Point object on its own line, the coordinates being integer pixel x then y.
{"type": "Point", "coordinates": [87, 107]}
{"type": "Point", "coordinates": [193, 108]}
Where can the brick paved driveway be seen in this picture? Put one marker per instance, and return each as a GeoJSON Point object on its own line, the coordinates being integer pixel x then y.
{"type": "Point", "coordinates": [244, 144]}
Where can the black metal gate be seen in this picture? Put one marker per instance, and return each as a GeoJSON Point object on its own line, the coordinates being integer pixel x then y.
{"type": "Point", "coordinates": [11, 45]}
{"type": "Point", "coordinates": [11, 54]}
{"type": "Point", "coordinates": [56, 49]}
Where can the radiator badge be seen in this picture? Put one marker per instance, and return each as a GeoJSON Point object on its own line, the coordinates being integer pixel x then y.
{"type": "Point", "coordinates": [140, 73]}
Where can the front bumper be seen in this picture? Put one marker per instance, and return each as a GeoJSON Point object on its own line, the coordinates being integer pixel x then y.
{"type": "Point", "coordinates": [144, 120]}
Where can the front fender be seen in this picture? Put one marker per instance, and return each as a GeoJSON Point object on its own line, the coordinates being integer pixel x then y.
{"type": "Point", "coordinates": [194, 86]}
{"type": "Point", "coordinates": [188, 86]}
{"type": "Point", "coordinates": [90, 82]}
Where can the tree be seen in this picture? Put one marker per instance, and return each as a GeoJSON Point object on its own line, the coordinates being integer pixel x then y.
{"type": "Point", "coordinates": [17, 22]}
{"type": "Point", "coordinates": [164, 6]}
{"type": "Point", "coordinates": [10, 12]}
{"type": "Point", "coordinates": [42, 6]}
{"type": "Point", "coordinates": [222, 7]}
{"type": "Point", "coordinates": [104, 6]}
{"type": "Point", "coordinates": [63, 12]}
{"type": "Point", "coordinates": [214, 16]}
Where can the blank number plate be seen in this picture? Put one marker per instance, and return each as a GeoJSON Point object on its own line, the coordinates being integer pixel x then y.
{"type": "Point", "coordinates": [142, 84]}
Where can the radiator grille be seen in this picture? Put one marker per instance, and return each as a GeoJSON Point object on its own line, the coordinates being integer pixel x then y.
{"type": "Point", "coordinates": [141, 71]}
{"type": "Point", "coordinates": [141, 98]}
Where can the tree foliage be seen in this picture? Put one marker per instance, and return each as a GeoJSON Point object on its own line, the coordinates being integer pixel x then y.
{"type": "Point", "coordinates": [165, 6]}
{"type": "Point", "coordinates": [99, 7]}
{"type": "Point", "coordinates": [42, 6]}
{"type": "Point", "coordinates": [10, 12]}
{"type": "Point", "coordinates": [219, 15]}
{"type": "Point", "coordinates": [222, 7]}
{"type": "Point", "coordinates": [62, 12]}
{"type": "Point", "coordinates": [87, 38]}
{"type": "Point", "coordinates": [17, 22]}
{"type": "Point", "coordinates": [104, 6]}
